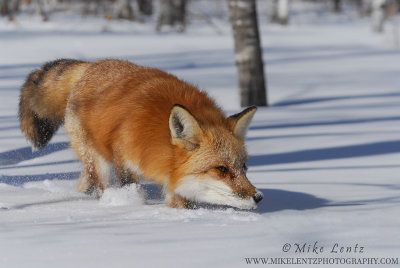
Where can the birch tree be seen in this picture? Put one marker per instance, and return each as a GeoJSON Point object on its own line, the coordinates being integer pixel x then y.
{"type": "Point", "coordinates": [124, 10]}
{"type": "Point", "coordinates": [172, 12]}
{"type": "Point", "coordinates": [337, 6]}
{"type": "Point", "coordinates": [9, 8]}
{"type": "Point", "coordinates": [145, 7]}
{"type": "Point", "coordinates": [248, 55]}
{"type": "Point", "coordinates": [4, 9]}
{"type": "Point", "coordinates": [378, 14]}
{"type": "Point", "coordinates": [41, 9]}
{"type": "Point", "coordinates": [278, 11]}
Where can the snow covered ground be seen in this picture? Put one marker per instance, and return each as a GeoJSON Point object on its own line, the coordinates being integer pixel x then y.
{"type": "Point", "coordinates": [326, 154]}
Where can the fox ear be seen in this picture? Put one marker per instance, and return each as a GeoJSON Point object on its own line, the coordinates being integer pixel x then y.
{"type": "Point", "coordinates": [241, 121]}
{"type": "Point", "coordinates": [184, 128]}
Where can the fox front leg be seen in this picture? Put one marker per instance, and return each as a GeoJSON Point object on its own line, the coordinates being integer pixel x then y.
{"type": "Point", "coordinates": [126, 177]}
{"type": "Point", "coordinates": [180, 202]}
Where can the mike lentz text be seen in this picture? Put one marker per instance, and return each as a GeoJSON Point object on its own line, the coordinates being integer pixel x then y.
{"type": "Point", "coordinates": [316, 248]}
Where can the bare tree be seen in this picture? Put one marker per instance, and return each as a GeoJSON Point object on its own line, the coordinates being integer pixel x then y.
{"type": "Point", "coordinates": [248, 55]}
{"type": "Point", "coordinates": [145, 7]}
{"type": "Point", "coordinates": [337, 6]}
{"type": "Point", "coordinates": [4, 9]}
{"type": "Point", "coordinates": [360, 7]}
{"type": "Point", "coordinates": [279, 11]}
{"type": "Point", "coordinates": [9, 8]}
{"type": "Point", "coordinates": [15, 5]}
{"type": "Point", "coordinates": [38, 6]}
{"type": "Point", "coordinates": [124, 10]}
{"type": "Point", "coordinates": [172, 12]}
{"type": "Point", "coordinates": [378, 14]}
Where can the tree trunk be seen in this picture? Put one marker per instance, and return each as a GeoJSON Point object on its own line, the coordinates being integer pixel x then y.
{"type": "Point", "coordinates": [360, 7]}
{"type": "Point", "coordinates": [172, 12]}
{"type": "Point", "coordinates": [15, 5]}
{"type": "Point", "coordinates": [4, 11]}
{"type": "Point", "coordinates": [13, 8]}
{"type": "Point", "coordinates": [337, 6]}
{"type": "Point", "coordinates": [9, 8]}
{"type": "Point", "coordinates": [278, 11]}
{"type": "Point", "coordinates": [145, 7]}
{"type": "Point", "coordinates": [283, 11]}
{"type": "Point", "coordinates": [180, 14]}
{"type": "Point", "coordinates": [124, 10]}
{"type": "Point", "coordinates": [165, 16]}
{"type": "Point", "coordinates": [378, 15]}
{"type": "Point", "coordinates": [40, 9]}
{"type": "Point", "coordinates": [272, 11]}
{"type": "Point", "coordinates": [248, 55]}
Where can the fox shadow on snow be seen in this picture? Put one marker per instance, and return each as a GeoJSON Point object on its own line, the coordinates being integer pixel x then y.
{"type": "Point", "coordinates": [277, 200]}
{"type": "Point", "coordinates": [274, 200]}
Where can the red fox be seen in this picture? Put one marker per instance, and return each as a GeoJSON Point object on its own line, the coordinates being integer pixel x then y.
{"type": "Point", "coordinates": [132, 121]}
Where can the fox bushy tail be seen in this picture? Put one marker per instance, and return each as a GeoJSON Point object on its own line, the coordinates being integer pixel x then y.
{"type": "Point", "coordinates": [44, 98]}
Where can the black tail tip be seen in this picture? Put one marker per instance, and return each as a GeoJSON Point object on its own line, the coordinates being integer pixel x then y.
{"type": "Point", "coordinates": [45, 129]}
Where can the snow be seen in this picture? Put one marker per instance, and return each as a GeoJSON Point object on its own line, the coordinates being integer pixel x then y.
{"type": "Point", "coordinates": [325, 154]}
{"type": "Point", "coordinates": [127, 196]}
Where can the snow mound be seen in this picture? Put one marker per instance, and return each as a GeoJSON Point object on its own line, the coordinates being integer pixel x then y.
{"type": "Point", "coordinates": [128, 195]}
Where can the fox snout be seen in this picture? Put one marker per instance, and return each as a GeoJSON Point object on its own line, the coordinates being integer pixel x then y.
{"type": "Point", "coordinates": [249, 193]}
{"type": "Point", "coordinates": [207, 189]}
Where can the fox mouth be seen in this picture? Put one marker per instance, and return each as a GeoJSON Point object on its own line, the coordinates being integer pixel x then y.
{"type": "Point", "coordinates": [213, 192]}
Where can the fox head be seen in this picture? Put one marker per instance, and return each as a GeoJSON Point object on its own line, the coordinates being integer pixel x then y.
{"type": "Point", "coordinates": [212, 159]}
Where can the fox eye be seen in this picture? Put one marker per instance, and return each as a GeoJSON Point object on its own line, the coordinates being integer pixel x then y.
{"type": "Point", "coordinates": [222, 169]}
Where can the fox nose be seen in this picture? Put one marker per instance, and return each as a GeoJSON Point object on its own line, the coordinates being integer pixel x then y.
{"type": "Point", "coordinates": [258, 197]}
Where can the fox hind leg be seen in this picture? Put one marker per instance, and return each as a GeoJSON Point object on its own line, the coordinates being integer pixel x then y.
{"type": "Point", "coordinates": [97, 172]}
{"type": "Point", "coordinates": [89, 182]}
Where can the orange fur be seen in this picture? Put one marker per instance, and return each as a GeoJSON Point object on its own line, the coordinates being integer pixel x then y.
{"type": "Point", "coordinates": [117, 112]}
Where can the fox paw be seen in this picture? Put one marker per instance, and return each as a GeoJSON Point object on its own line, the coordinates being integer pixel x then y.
{"type": "Point", "coordinates": [181, 203]}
